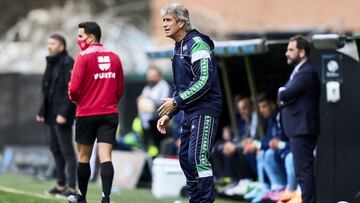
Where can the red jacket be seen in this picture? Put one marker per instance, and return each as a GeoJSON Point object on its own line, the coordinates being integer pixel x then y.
{"type": "Point", "coordinates": [96, 83]}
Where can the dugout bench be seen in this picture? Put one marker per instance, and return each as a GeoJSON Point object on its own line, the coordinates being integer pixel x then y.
{"type": "Point", "coordinates": [257, 65]}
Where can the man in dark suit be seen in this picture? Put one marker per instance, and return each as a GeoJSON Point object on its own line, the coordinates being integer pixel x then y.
{"type": "Point", "coordinates": [58, 112]}
{"type": "Point", "coordinates": [299, 101]}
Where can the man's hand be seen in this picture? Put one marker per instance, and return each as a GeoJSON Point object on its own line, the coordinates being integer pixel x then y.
{"type": "Point", "coordinates": [226, 135]}
{"type": "Point", "coordinates": [250, 148]}
{"type": "Point", "coordinates": [177, 143]}
{"type": "Point", "coordinates": [40, 119]}
{"type": "Point", "coordinates": [273, 144]}
{"type": "Point", "coordinates": [229, 148]}
{"type": "Point", "coordinates": [167, 107]}
{"type": "Point", "coordinates": [247, 141]}
{"type": "Point", "coordinates": [60, 119]}
{"type": "Point", "coordinates": [162, 123]}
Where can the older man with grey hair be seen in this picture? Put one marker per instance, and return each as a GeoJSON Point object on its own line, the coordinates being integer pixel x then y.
{"type": "Point", "coordinates": [197, 92]}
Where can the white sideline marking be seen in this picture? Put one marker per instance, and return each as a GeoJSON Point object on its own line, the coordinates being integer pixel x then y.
{"type": "Point", "coordinates": [21, 192]}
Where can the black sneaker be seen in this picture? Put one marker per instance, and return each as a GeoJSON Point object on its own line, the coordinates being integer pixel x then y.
{"type": "Point", "coordinates": [55, 191]}
{"type": "Point", "coordinates": [105, 200]}
{"type": "Point", "coordinates": [76, 199]}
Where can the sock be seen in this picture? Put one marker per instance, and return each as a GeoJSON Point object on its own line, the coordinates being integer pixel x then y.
{"type": "Point", "coordinates": [107, 175]}
{"type": "Point", "coordinates": [83, 175]}
{"type": "Point", "coordinates": [105, 200]}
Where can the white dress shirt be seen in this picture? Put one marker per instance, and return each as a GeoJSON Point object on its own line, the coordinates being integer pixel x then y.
{"type": "Point", "coordinates": [296, 69]}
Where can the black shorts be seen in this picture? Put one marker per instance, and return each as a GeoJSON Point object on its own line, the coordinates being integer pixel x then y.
{"type": "Point", "coordinates": [102, 127]}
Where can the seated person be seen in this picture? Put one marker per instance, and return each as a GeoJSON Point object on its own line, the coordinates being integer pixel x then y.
{"type": "Point", "coordinates": [228, 157]}
{"type": "Point", "coordinates": [247, 124]}
{"type": "Point", "coordinates": [228, 163]}
{"type": "Point", "coordinates": [276, 154]}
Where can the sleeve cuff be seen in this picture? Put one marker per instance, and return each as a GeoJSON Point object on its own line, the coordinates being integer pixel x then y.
{"type": "Point", "coordinates": [172, 114]}
{"type": "Point", "coordinates": [257, 144]}
{"type": "Point", "coordinates": [281, 145]}
{"type": "Point", "coordinates": [281, 89]}
{"type": "Point", "coordinates": [178, 100]}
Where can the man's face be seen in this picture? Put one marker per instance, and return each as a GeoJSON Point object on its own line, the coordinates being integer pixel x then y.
{"type": "Point", "coordinates": [83, 36]}
{"type": "Point", "coordinates": [266, 109]}
{"type": "Point", "coordinates": [226, 133]}
{"type": "Point", "coordinates": [153, 77]}
{"type": "Point", "coordinates": [244, 108]}
{"type": "Point", "coordinates": [293, 54]}
{"type": "Point", "coordinates": [54, 46]}
{"type": "Point", "coordinates": [171, 26]}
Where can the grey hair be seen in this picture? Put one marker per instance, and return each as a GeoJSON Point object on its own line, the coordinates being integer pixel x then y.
{"type": "Point", "coordinates": [180, 13]}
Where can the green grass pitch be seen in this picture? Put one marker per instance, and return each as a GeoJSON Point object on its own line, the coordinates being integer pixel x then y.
{"type": "Point", "coordinates": [16, 188]}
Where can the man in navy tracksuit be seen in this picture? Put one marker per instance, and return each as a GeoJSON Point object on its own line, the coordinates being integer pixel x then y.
{"type": "Point", "coordinates": [197, 92]}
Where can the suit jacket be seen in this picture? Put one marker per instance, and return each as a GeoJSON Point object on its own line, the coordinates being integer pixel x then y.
{"type": "Point", "coordinates": [54, 89]}
{"type": "Point", "coordinates": [300, 102]}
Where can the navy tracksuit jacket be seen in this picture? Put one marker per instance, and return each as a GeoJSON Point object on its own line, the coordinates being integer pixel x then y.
{"type": "Point", "coordinates": [198, 93]}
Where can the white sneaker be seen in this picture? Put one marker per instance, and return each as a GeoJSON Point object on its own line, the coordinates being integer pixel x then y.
{"type": "Point", "coordinates": [76, 199]}
{"type": "Point", "coordinates": [240, 189]}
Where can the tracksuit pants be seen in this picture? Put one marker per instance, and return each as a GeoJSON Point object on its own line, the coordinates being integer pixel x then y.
{"type": "Point", "coordinates": [197, 137]}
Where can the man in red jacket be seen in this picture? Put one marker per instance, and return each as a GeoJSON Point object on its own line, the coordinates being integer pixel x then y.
{"type": "Point", "coordinates": [96, 86]}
